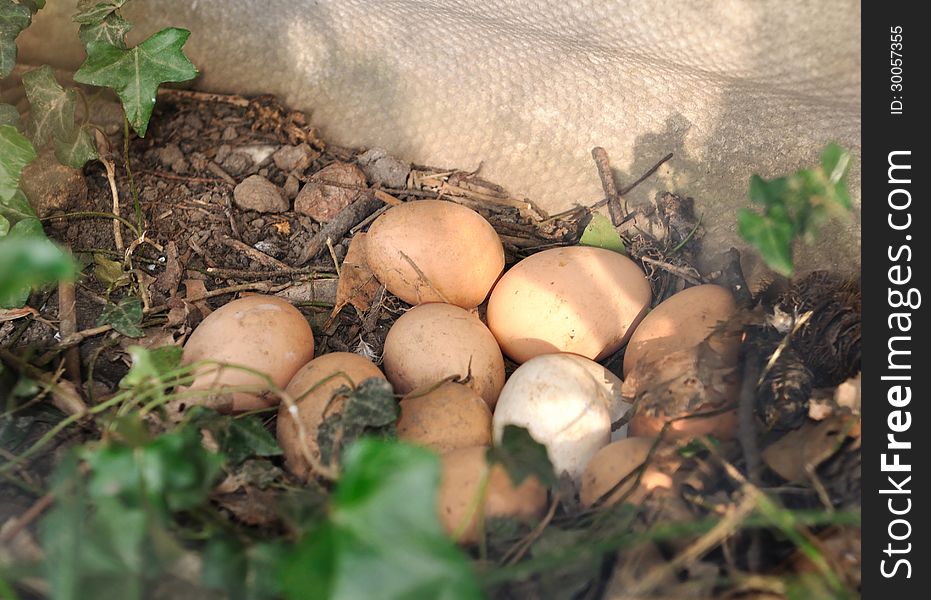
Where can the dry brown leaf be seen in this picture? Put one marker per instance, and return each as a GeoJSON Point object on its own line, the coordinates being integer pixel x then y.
{"type": "Point", "coordinates": [195, 288]}
{"type": "Point", "coordinates": [251, 506]}
{"type": "Point", "coordinates": [11, 314]}
{"type": "Point", "coordinates": [283, 228]}
{"type": "Point", "coordinates": [169, 279]}
{"type": "Point", "coordinates": [357, 285]}
{"type": "Point", "coordinates": [801, 451]}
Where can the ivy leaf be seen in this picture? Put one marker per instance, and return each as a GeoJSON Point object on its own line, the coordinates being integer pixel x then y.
{"type": "Point", "coordinates": [14, 18]}
{"type": "Point", "coordinates": [110, 272]}
{"type": "Point", "coordinates": [600, 233]}
{"type": "Point", "coordinates": [522, 456]}
{"type": "Point", "coordinates": [150, 366]}
{"type": "Point", "coordinates": [238, 438]}
{"type": "Point", "coordinates": [28, 260]}
{"type": "Point", "coordinates": [10, 116]}
{"type": "Point", "coordinates": [17, 208]}
{"type": "Point", "coordinates": [52, 107]}
{"type": "Point", "coordinates": [111, 30]}
{"type": "Point", "coordinates": [125, 316]}
{"type": "Point", "coordinates": [382, 533]}
{"type": "Point", "coordinates": [95, 11]}
{"type": "Point", "coordinates": [772, 236]}
{"type": "Point", "coordinates": [136, 73]}
{"type": "Point", "coordinates": [16, 151]}
{"type": "Point", "coordinates": [77, 150]}
{"type": "Point", "coordinates": [369, 408]}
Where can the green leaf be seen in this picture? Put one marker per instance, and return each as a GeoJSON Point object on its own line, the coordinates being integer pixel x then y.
{"type": "Point", "coordinates": [29, 260]}
{"type": "Point", "coordinates": [382, 534]}
{"type": "Point", "coordinates": [17, 208]}
{"type": "Point", "coordinates": [171, 473]}
{"type": "Point", "coordinates": [125, 316]}
{"type": "Point", "coordinates": [95, 11]}
{"type": "Point", "coordinates": [111, 30]}
{"type": "Point", "coordinates": [771, 236]}
{"type": "Point", "coordinates": [522, 456]}
{"type": "Point", "coordinates": [16, 151]}
{"type": "Point", "coordinates": [77, 150]}
{"type": "Point", "coordinates": [600, 233]}
{"type": "Point", "coordinates": [150, 366]}
{"type": "Point", "coordinates": [10, 116]}
{"type": "Point", "coordinates": [4, 226]}
{"type": "Point", "coordinates": [110, 272]}
{"type": "Point", "coordinates": [225, 567]}
{"type": "Point", "coordinates": [370, 408]}
{"type": "Point", "coordinates": [136, 73]}
{"type": "Point", "coordinates": [52, 107]}
{"type": "Point", "coordinates": [768, 192]}
{"type": "Point", "coordinates": [238, 437]}
{"type": "Point", "coordinates": [14, 18]}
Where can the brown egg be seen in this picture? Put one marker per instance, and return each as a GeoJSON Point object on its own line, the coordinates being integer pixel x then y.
{"type": "Point", "coordinates": [617, 460]}
{"type": "Point", "coordinates": [680, 321]}
{"type": "Point", "coordinates": [696, 382]}
{"type": "Point", "coordinates": [312, 389]}
{"type": "Point", "coordinates": [444, 418]}
{"type": "Point", "coordinates": [435, 251]}
{"type": "Point", "coordinates": [573, 299]}
{"type": "Point", "coordinates": [264, 333]}
{"type": "Point", "coordinates": [431, 342]}
{"type": "Point", "coordinates": [458, 501]}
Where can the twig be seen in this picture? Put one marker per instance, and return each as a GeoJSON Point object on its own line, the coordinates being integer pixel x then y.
{"type": "Point", "coordinates": [339, 225]}
{"type": "Point", "coordinates": [603, 164]}
{"type": "Point", "coordinates": [643, 177]}
{"type": "Point", "coordinates": [111, 177]}
{"type": "Point", "coordinates": [423, 277]}
{"type": "Point", "coordinates": [34, 511]}
{"type": "Point", "coordinates": [256, 255]}
{"type": "Point", "coordinates": [725, 527]}
{"type": "Point", "coordinates": [233, 99]}
{"type": "Point", "coordinates": [184, 178]}
{"type": "Point", "coordinates": [677, 271]}
{"type": "Point", "coordinates": [223, 272]}
{"type": "Point", "coordinates": [64, 395]}
{"type": "Point", "coordinates": [329, 245]}
{"type": "Point", "coordinates": [219, 172]}
{"type": "Point", "coordinates": [67, 325]}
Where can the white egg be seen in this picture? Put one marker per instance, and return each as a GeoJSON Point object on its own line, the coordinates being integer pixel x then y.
{"type": "Point", "coordinates": [566, 402]}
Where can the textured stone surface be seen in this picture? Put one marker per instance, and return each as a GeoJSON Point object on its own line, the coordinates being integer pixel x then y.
{"type": "Point", "coordinates": [321, 201]}
{"type": "Point", "coordinates": [259, 194]}
{"type": "Point", "coordinates": [383, 169]}
{"type": "Point", "coordinates": [528, 87]}
{"type": "Point", "coordinates": [52, 187]}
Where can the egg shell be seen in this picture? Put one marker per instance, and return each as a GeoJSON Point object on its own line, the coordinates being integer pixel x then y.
{"type": "Point", "coordinates": [312, 389]}
{"type": "Point", "coordinates": [682, 320]}
{"type": "Point", "coordinates": [445, 417]}
{"type": "Point", "coordinates": [692, 381]}
{"type": "Point", "coordinates": [458, 502]}
{"type": "Point", "coordinates": [264, 333]}
{"type": "Point", "coordinates": [563, 407]}
{"type": "Point", "coordinates": [573, 299]}
{"type": "Point", "coordinates": [435, 251]}
{"type": "Point", "coordinates": [616, 461]}
{"type": "Point", "coordinates": [431, 342]}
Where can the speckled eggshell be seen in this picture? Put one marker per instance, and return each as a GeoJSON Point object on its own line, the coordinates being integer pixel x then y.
{"type": "Point", "coordinates": [433, 341]}
{"type": "Point", "coordinates": [264, 333]}
{"type": "Point", "coordinates": [311, 397]}
{"type": "Point", "coordinates": [574, 299]}
{"type": "Point", "coordinates": [563, 407]}
{"type": "Point", "coordinates": [458, 501]}
{"type": "Point", "coordinates": [435, 251]}
{"type": "Point", "coordinates": [680, 321]}
{"type": "Point", "coordinates": [444, 418]}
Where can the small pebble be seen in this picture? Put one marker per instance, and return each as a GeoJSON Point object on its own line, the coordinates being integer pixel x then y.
{"type": "Point", "coordinates": [259, 194]}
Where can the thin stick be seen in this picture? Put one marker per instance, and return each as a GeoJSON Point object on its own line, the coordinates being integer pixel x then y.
{"type": "Point", "coordinates": [37, 508]}
{"type": "Point", "coordinates": [340, 225]}
{"type": "Point", "coordinates": [677, 271]}
{"type": "Point", "coordinates": [329, 245]}
{"type": "Point", "coordinates": [256, 255]}
{"type": "Point", "coordinates": [233, 99]}
{"type": "Point", "coordinates": [111, 177]}
{"type": "Point", "coordinates": [603, 164]}
{"type": "Point", "coordinates": [68, 325]}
